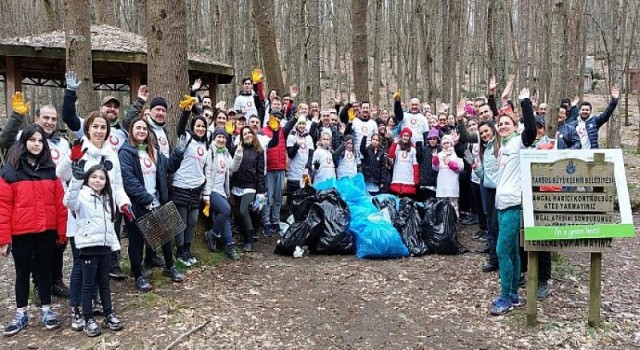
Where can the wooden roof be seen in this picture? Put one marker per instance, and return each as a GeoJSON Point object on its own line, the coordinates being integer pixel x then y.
{"type": "Point", "coordinates": [114, 51]}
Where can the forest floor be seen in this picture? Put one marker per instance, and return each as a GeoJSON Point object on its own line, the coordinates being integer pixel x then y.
{"type": "Point", "coordinates": [269, 301]}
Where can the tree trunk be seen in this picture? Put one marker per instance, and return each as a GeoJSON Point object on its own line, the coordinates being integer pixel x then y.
{"type": "Point", "coordinates": [166, 38]}
{"type": "Point", "coordinates": [377, 65]}
{"type": "Point", "coordinates": [491, 46]}
{"type": "Point", "coordinates": [263, 16]}
{"type": "Point", "coordinates": [106, 12]}
{"type": "Point", "coordinates": [314, 26]}
{"type": "Point", "coordinates": [617, 32]}
{"type": "Point", "coordinates": [78, 51]}
{"type": "Point", "coordinates": [557, 63]}
{"type": "Point", "coordinates": [359, 52]}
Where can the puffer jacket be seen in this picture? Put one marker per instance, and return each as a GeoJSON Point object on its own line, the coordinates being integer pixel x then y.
{"type": "Point", "coordinates": [428, 175]}
{"type": "Point", "coordinates": [277, 156]}
{"type": "Point", "coordinates": [94, 225]}
{"type": "Point", "coordinates": [31, 201]}
{"type": "Point", "coordinates": [595, 121]}
{"type": "Point", "coordinates": [247, 168]}
{"type": "Point", "coordinates": [374, 164]}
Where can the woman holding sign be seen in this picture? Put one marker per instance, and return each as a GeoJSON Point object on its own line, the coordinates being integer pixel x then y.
{"type": "Point", "coordinates": [508, 201]}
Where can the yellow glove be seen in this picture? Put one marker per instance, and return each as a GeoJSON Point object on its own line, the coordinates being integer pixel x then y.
{"type": "Point", "coordinates": [256, 76]}
{"type": "Point", "coordinates": [19, 106]}
{"type": "Point", "coordinates": [352, 114]}
{"type": "Point", "coordinates": [306, 179]}
{"type": "Point", "coordinates": [187, 102]}
{"type": "Point", "coordinates": [205, 210]}
{"type": "Point", "coordinates": [397, 96]}
{"type": "Point", "coordinates": [274, 123]}
{"type": "Point", "coordinates": [229, 127]}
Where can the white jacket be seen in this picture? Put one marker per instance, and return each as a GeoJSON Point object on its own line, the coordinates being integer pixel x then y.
{"type": "Point", "coordinates": [94, 227]}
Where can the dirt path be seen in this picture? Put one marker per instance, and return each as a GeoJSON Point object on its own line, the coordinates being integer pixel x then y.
{"type": "Point", "coordinates": [338, 302]}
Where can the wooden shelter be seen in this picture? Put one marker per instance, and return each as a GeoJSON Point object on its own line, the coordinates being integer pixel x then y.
{"type": "Point", "coordinates": [119, 62]}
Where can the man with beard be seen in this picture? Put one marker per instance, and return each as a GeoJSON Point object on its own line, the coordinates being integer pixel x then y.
{"type": "Point", "coordinates": [359, 122]}
{"type": "Point", "coordinates": [587, 125]}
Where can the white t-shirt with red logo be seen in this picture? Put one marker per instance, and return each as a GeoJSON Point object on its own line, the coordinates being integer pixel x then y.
{"type": "Point", "coordinates": [191, 172]}
{"type": "Point", "coordinates": [219, 171]}
{"type": "Point", "coordinates": [149, 170]}
{"type": "Point", "coordinates": [348, 165]}
{"type": "Point", "coordinates": [297, 164]}
{"type": "Point", "coordinates": [403, 167]}
{"type": "Point", "coordinates": [116, 139]}
{"type": "Point", "coordinates": [327, 169]}
{"type": "Point", "coordinates": [363, 128]}
{"type": "Point", "coordinates": [246, 104]}
{"type": "Point", "coordinates": [418, 125]}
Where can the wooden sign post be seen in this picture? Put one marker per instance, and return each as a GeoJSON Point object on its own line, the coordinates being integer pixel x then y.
{"type": "Point", "coordinates": [568, 206]}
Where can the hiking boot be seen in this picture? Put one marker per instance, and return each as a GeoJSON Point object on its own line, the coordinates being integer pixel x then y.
{"type": "Point", "coordinates": [91, 328]}
{"type": "Point", "coordinates": [248, 247]}
{"type": "Point", "coordinates": [112, 322]}
{"type": "Point", "coordinates": [231, 252]}
{"type": "Point", "coordinates": [490, 265]}
{"type": "Point", "coordinates": [155, 261]}
{"type": "Point", "coordinates": [59, 289]}
{"type": "Point", "coordinates": [77, 322]}
{"type": "Point", "coordinates": [116, 273]}
{"type": "Point", "coordinates": [210, 239]}
{"type": "Point", "coordinates": [50, 319]}
{"type": "Point", "coordinates": [501, 306]}
{"type": "Point", "coordinates": [143, 285]}
{"type": "Point", "coordinates": [174, 274]}
{"type": "Point", "coordinates": [36, 297]}
{"type": "Point", "coordinates": [19, 322]}
{"type": "Point", "coordinates": [542, 292]}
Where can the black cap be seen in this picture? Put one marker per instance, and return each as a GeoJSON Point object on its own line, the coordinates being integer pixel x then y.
{"type": "Point", "coordinates": [540, 120]}
{"type": "Point", "coordinates": [158, 101]}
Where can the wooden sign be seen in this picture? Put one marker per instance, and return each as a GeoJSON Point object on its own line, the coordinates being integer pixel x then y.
{"type": "Point", "coordinates": [572, 202]}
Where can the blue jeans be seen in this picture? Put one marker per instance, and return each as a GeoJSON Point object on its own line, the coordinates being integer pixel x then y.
{"type": "Point", "coordinates": [222, 219]}
{"type": "Point", "coordinates": [271, 211]}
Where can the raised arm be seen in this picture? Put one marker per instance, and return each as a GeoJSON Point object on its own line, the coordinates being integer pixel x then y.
{"type": "Point", "coordinates": [529, 120]}
{"type": "Point", "coordinates": [135, 108]}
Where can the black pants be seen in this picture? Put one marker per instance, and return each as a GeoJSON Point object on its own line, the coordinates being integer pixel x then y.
{"type": "Point", "coordinates": [292, 187]}
{"type": "Point", "coordinates": [95, 268]}
{"type": "Point", "coordinates": [544, 265]}
{"type": "Point", "coordinates": [57, 257]}
{"type": "Point", "coordinates": [465, 201]}
{"type": "Point", "coordinates": [38, 246]}
{"type": "Point", "coordinates": [491, 222]}
{"type": "Point", "coordinates": [476, 199]}
{"type": "Point", "coordinates": [137, 243]}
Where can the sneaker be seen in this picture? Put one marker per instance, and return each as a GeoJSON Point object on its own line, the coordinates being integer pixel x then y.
{"type": "Point", "coordinates": [501, 306]}
{"type": "Point", "coordinates": [143, 285]}
{"type": "Point", "coordinates": [174, 274]}
{"type": "Point", "coordinates": [523, 280]}
{"type": "Point", "coordinates": [91, 328]}
{"type": "Point", "coordinates": [231, 252]}
{"type": "Point", "coordinates": [267, 230]}
{"type": "Point", "coordinates": [59, 289]}
{"type": "Point", "coordinates": [18, 323]}
{"type": "Point", "coordinates": [470, 220]}
{"type": "Point", "coordinates": [542, 292]}
{"type": "Point", "coordinates": [248, 247]}
{"type": "Point", "coordinates": [112, 322]}
{"type": "Point", "coordinates": [209, 238]}
{"type": "Point", "coordinates": [184, 259]}
{"type": "Point", "coordinates": [77, 321]}
{"type": "Point", "coordinates": [50, 319]}
{"type": "Point", "coordinates": [515, 300]}
{"type": "Point", "coordinates": [36, 297]}
{"type": "Point", "coordinates": [116, 273]}
{"type": "Point", "coordinates": [156, 261]}
{"type": "Point", "coordinates": [480, 235]}
{"type": "Point", "coordinates": [96, 308]}
{"type": "Point", "coordinates": [192, 259]}
{"type": "Point", "coordinates": [275, 228]}
{"type": "Point", "coordinates": [489, 266]}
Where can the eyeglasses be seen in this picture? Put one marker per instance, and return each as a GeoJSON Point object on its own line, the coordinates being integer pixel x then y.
{"type": "Point", "coordinates": [207, 115]}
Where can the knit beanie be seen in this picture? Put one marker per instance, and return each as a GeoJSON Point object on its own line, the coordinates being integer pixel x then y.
{"type": "Point", "coordinates": [219, 131]}
{"type": "Point", "coordinates": [158, 101]}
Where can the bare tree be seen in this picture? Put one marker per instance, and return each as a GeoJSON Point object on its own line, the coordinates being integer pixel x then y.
{"type": "Point", "coordinates": [314, 41]}
{"type": "Point", "coordinates": [78, 51]}
{"type": "Point", "coordinates": [557, 62]}
{"type": "Point", "coordinates": [359, 52]}
{"type": "Point", "coordinates": [167, 63]}
{"type": "Point", "coordinates": [263, 14]}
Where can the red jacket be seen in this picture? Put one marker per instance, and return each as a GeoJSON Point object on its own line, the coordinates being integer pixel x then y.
{"type": "Point", "coordinates": [31, 202]}
{"type": "Point", "coordinates": [276, 156]}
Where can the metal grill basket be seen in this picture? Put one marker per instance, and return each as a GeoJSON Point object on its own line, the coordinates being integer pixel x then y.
{"type": "Point", "coordinates": [160, 225]}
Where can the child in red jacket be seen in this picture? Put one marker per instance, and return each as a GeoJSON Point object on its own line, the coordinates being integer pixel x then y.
{"type": "Point", "coordinates": [32, 221]}
{"type": "Point", "coordinates": [406, 172]}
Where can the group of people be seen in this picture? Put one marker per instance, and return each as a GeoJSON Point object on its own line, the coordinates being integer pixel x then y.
{"type": "Point", "coordinates": [247, 157]}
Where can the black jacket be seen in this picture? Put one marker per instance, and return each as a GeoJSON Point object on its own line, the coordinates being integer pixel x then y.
{"type": "Point", "coordinates": [133, 179]}
{"type": "Point", "coordinates": [374, 164]}
{"type": "Point", "coordinates": [250, 174]}
{"type": "Point", "coordinates": [428, 176]}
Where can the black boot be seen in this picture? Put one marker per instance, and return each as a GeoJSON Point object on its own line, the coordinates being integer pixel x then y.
{"type": "Point", "coordinates": [116, 272]}
{"type": "Point", "coordinates": [210, 239]}
{"type": "Point", "coordinates": [230, 250]}
{"type": "Point", "coordinates": [248, 241]}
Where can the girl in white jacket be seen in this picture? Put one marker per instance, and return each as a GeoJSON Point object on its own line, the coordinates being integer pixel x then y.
{"type": "Point", "coordinates": [449, 167]}
{"type": "Point", "coordinates": [89, 198]}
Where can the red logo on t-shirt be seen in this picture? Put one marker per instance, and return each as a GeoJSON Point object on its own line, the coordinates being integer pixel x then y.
{"type": "Point", "coordinates": [349, 156]}
{"type": "Point", "coordinates": [223, 165]}
{"type": "Point", "coordinates": [200, 151]}
{"type": "Point", "coordinates": [55, 155]}
{"type": "Point", "coordinates": [114, 140]}
{"type": "Point", "coordinates": [365, 130]}
{"type": "Point", "coordinates": [249, 104]}
{"type": "Point", "coordinates": [414, 121]}
{"type": "Point", "coordinates": [303, 146]}
{"type": "Point", "coordinates": [147, 162]}
{"type": "Point", "coordinates": [405, 154]}
{"type": "Point", "coordinates": [328, 159]}
{"type": "Point", "coordinates": [162, 140]}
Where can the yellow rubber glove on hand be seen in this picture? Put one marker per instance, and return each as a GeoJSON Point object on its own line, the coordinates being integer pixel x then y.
{"type": "Point", "coordinates": [274, 123]}
{"type": "Point", "coordinates": [187, 102]}
{"type": "Point", "coordinates": [19, 106]}
{"type": "Point", "coordinates": [229, 127]}
{"type": "Point", "coordinates": [205, 210]}
{"type": "Point", "coordinates": [306, 179]}
{"type": "Point", "coordinates": [352, 114]}
{"type": "Point", "coordinates": [397, 96]}
{"type": "Point", "coordinates": [256, 76]}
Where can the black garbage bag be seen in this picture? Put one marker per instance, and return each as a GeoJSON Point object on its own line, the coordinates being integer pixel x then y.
{"type": "Point", "coordinates": [409, 226]}
{"type": "Point", "coordinates": [331, 236]}
{"type": "Point", "coordinates": [297, 234]}
{"type": "Point", "coordinates": [388, 203]}
{"type": "Point", "coordinates": [301, 202]}
{"type": "Point", "coordinates": [439, 227]}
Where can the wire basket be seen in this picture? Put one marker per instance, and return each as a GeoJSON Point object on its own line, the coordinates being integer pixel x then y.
{"type": "Point", "coordinates": [160, 225]}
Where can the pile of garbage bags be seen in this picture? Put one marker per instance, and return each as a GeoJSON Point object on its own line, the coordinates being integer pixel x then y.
{"type": "Point", "coordinates": [340, 217]}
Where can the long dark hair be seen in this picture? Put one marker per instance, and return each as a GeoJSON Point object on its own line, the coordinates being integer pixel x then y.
{"type": "Point", "coordinates": [148, 141]}
{"type": "Point", "coordinates": [107, 193]}
{"type": "Point", "coordinates": [19, 148]}
{"type": "Point", "coordinates": [496, 139]}
{"type": "Point", "coordinates": [256, 144]}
